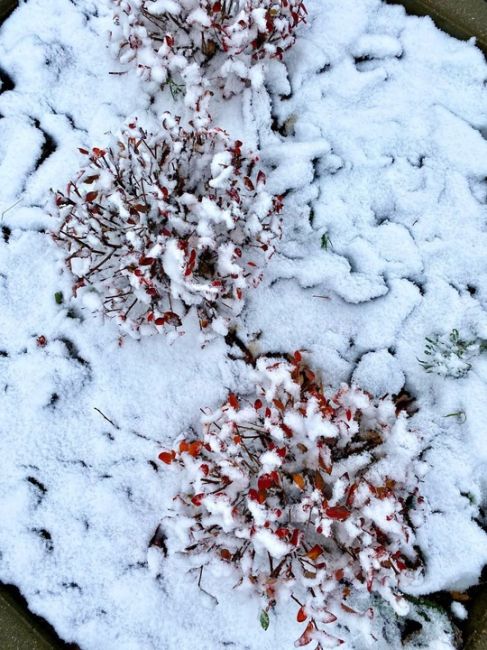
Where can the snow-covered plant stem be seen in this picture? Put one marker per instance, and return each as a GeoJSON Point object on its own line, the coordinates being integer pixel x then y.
{"type": "Point", "coordinates": [305, 493]}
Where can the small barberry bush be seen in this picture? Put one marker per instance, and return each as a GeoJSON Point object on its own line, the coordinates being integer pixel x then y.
{"type": "Point", "coordinates": [190, 41]}
{"type": "Point", "coordinates": [155, 225]}
{"type": "Point", "coordinates": [307, 495]}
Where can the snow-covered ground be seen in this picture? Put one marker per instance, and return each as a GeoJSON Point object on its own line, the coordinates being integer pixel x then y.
{"type": "Point", "coordinates": [376, 129]}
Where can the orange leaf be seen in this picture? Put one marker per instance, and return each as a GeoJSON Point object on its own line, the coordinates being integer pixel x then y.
{"type": "Point", "coordinates": [167, 457]}
{"type": "Point", "coordinates": [315, 552]}
{"type": "Point", "coordinates": [194, 448]}
{"type": "Point", "coordinates": [299, 480]}
{"type": "Point", "coordinates": [319, 482]}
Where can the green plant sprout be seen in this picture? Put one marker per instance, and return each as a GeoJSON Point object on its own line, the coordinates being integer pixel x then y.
{"type": "Point", "coordinates": [450, 355]}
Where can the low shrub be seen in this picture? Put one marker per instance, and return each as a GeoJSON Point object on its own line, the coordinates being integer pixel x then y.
{"type": "Point", "coordinates": [307, 495]}
{"type": "Point", "coordinates": [157, 224]}
{"type": "Point", "coordinates": [196, 42]}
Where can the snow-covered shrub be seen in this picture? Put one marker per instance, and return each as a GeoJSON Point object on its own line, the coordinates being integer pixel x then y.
{"type": "Point", "coordinates": [307, 495]}
{"type": "Point", "coordinates": [449, 355]}
{"type": "Point", "coordinates": [204, 42]}
{"type": "Point", "coordinates": [154, 225]}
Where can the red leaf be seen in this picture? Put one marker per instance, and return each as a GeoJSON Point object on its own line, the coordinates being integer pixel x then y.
{"type": "Point", "coordinates": [339, 513]}
{"type": "Point", "coordinates": [261, 496]}
{"type": "Point", "coordinates": [248, 183]}
{"type": "Point", "coordinates": [306, 637]}
{"type": "Point", "coordinates": [258, 404]}
{"type": "Point", "coordinates": [225, 554]}
{"type": "Point", "coordinates": [140, 207]}
{"type": "Point", "coordinates": [146, 261]}
{"type": "Point", "coordinates": [172, 318]}
{"type": "Point", "coordinates": [265, 481]}
{"type": "Point", "coordinates": [91, 196]}
{"type": "Point", "coordinates": [310, 375]}
{"type": "Point", "coordinates": [328, 617]}
{"type": "Point", "coordinates": [197, 499]}
{"type": "Point", "coordinates": [261, 178]}
{"type": "Point", "coordinates": [90, 179]}
{"type": "Point", "coordinates": [233, 401]}
{"type": "Point", "coordinates": [167, 457]}
{"type": "Point", "coordinates": [351, 494]}
{"type": "Point", "coordinates": [301, 615]}
{"type": "Point", "coordinates": [287, 430]}
{"type": "Point", "coordinates": [83, 151]}
{"type": "Point", "coordinates": [204, 469]}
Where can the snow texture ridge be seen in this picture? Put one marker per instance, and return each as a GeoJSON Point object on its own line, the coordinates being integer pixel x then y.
{"type": "Point", "coordinates": [375, 128]}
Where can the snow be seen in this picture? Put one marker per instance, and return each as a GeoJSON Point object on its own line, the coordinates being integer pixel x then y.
{"type": "Point", "coordinates": [381, 147]}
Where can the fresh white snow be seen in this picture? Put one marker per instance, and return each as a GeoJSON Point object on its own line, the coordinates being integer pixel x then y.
{"type": "Point", "coordinates": [382, 122]}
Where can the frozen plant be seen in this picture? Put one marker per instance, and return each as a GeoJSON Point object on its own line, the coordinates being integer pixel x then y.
{"type": "Point", "coordinates": [203, 43]}
{"type": "Point", "coordinates": [449, 355]}
{"type": "Point", "coordinates": [307, 495]}
{"type": "Point", "coordinates": [157, 224]}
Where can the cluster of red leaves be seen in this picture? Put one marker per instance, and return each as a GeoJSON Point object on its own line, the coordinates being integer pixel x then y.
{"type": "Point", "coordinates": [225, 36]}
{"type": "Point", "coordinates": [157, 224]}
{"type": "Point", "coordinates": [294, 489]}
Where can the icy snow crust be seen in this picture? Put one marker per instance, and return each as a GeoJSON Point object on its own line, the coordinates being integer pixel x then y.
{"type": "Point", "coordinates": [381, 121]}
